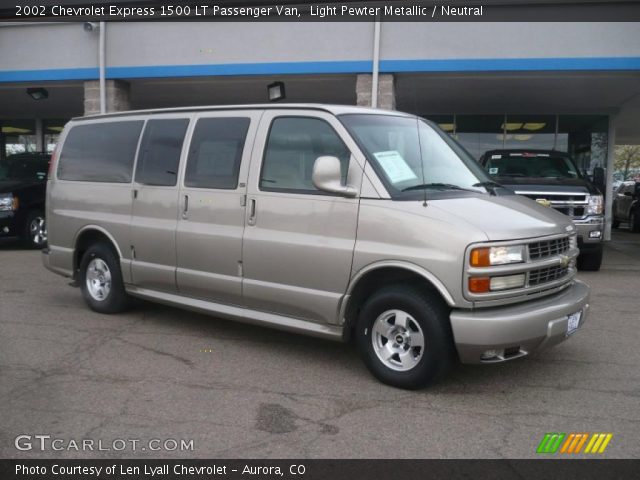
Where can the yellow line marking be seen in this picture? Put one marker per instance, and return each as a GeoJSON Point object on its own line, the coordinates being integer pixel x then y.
{"type": "Point", "coordinates": [591, 442]}
{"type": "Point", "coordinates": [605, 443]}
{"type": "Point", "coordinates": [584, 439]}
{"type": "Point", "coordinates": [596, 445]}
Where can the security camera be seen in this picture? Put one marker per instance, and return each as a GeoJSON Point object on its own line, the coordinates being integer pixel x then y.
{"type": "Point", "coordinates": [90, 26]}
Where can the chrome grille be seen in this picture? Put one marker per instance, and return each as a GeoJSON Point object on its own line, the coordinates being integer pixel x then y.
{"type": "Point", "coordinates": [548, 248]}
{"type": "Point", "coordinates": [547, 274]}
{"type": "Point", "coordinates": [570, 211]}
{"type": "Point", "coordinates": [570, 204]}
{"type": "Point", "coordinates": [549, 265]}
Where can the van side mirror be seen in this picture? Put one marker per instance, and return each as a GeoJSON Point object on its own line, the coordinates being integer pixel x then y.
{"type": "Point", "coordinates": [598, 178]}
{"type": "Point", "coordinates": [327, 177]}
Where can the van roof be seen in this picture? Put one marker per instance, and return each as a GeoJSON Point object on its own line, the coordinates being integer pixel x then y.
{"type": "Point", "coordinates": [333, 109]}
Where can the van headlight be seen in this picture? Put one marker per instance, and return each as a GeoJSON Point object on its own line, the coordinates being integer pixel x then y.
{"type": "Point", "coordinates": [8, 203]}
{"type": "Point", "coordinates": [596, 205]}
{"type": "Point", "coordinates": [503, 255]}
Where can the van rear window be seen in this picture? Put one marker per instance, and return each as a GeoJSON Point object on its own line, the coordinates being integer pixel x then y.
{"type": "Point", "coordinates": [100, 152]}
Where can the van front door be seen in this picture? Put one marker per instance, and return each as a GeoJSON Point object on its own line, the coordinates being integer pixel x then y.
{"type": "Point", "coordinates": [213, 199]}
{"type": "Point", "coordinates": [155, 203]}
{"type": "Point", "coordinates": [298, 243]}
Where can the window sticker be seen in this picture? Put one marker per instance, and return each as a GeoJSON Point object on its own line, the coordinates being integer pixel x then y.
{"type": "Point", "coordinates": [496, 157]}
{"type": "Point", "coordinates": [395, 166]}
{"type": "Point", "coordinates": [493, 171]}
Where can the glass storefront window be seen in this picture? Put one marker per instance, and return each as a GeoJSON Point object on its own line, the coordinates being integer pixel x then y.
{"type": "Point", "coordinates": [445, 122]}
{"type": "Point", "coordinates": [52, 130]}
{"type": "Point", "coordinates": [586, 139]}
{"type": "Point", "coordinates": [530, 131]}
{"type": "Point", "coordinates": [18, 136]}
{"type": "Point", "coordinates": [479, 133]}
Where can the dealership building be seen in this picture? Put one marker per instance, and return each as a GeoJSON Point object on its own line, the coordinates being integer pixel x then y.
{"type": "Point", "coordinates": [572, 87]}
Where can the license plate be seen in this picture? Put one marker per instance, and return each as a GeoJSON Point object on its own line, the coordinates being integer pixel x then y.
{"type": "Point", "coordinates": [573, 322]}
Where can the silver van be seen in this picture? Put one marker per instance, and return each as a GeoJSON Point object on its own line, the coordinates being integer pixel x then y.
{"type": "Point", "coordinates": [333, 221]}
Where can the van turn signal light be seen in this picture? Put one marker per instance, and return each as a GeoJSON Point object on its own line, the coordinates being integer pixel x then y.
{"type": "Point", "coordinates": [480, 257]}
{"type": "Point", "coordinates": [479, 284]}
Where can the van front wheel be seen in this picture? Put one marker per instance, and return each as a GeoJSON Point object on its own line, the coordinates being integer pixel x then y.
{"type": "Point", "coordinates": [404, 336]}
{"type": "Point", "coordinates": [101, 280]}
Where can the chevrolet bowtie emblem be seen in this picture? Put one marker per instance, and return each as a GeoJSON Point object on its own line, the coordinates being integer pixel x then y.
{"type": "Point", "coordinates": [544, 202]}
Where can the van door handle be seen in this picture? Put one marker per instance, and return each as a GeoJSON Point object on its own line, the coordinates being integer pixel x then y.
{"type": "Point", "coordinates": [252, 212]}
{"type": "Point", "coordinates": [185, 208]}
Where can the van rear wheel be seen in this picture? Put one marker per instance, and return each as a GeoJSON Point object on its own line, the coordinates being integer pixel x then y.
{"type": "Point", "coordinates": [404, 336]}
{"type": "Point", "coordinates": [101, 280]}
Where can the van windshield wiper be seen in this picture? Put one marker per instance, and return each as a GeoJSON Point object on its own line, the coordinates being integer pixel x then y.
{"type": "Point", "coordinates": [443, 186]}
{"type": "Point", "coordinates": [490, 185]}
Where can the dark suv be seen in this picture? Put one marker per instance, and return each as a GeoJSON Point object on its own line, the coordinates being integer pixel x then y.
{"type": "Point", "coordinates": [23, 183]}
{"type": "Point", "coordinates": [552, 179]}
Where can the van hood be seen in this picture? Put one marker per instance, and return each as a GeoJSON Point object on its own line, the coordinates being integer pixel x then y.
{"type": "Point", "coordinates": [509, 217]}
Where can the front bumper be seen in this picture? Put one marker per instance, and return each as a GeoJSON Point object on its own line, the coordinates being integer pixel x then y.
{"type": "Point", "coordinates": [8, 225]}
{"type": "Point", "coordinates": [585, 228]}
{"type": "Point", "coordinates": [517, 330]}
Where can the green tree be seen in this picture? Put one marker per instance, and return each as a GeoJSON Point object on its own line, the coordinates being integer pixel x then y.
{"type": "Point", "coordinates": [627, 159]}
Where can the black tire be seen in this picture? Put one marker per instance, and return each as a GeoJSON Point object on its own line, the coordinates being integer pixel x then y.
{"type": "Point", "coordinates": [431, 314]}
{"type": "Point", "coordinates": [116, 299]}
{"type": "Point", "coordinates": [634, 221]}
{"type": "Point", "coordinates": [615, 223]}
{"type": "Point", "coordinates": [34, 234]}
{"type": "Point", "coordinates": [590, 262]}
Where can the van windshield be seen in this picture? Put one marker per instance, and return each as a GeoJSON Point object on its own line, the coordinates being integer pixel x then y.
{"type": "Point", "coordinates": [411, 155]}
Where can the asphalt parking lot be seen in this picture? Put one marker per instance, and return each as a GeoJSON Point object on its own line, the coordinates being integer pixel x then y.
{"type": "Point", "coordinates": [245, 392]}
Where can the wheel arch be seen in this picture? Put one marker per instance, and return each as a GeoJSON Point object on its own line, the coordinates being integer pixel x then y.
{"type": "Point", "coordinates": [87, 236]}
{"type": "Point", "coordinates": [375, 276]}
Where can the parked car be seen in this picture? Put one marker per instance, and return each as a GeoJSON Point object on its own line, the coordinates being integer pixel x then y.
{"type": "Point", "coordinates": [552, 179]}
{"type": "Point", "coordinates": [332, 221]}
{"type": "Point", "coordinates": [626, 206]}
{"type": "Point", "coordinates": [23, 180]}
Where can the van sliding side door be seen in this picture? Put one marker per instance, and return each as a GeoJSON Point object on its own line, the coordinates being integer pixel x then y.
{"type": "Point", "coordinates": [212, 206]}
{"type": "Point", "coordinates": [155, 202]}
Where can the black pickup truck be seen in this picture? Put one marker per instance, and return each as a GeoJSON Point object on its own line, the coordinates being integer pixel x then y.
{"type": "Point", "coordinates": [552, 179]}
{"type": "Point", "coordinates": [23, 184]}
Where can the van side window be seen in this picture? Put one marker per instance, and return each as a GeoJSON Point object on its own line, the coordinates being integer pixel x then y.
{"type": "Point", "coordinates": [159, 156]}
{"type": "Point", "coordinates": [293, 145]}
{"type": "Point", "coordinates": [216, 152]}
{"type": "Point", "coordinates": [100, 152]}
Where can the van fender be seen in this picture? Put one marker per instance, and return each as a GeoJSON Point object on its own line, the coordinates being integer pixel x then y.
{"type": "Point", "coordinates": [101, 230]}
{"type": "Point", "coordinates": [411, 267]}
